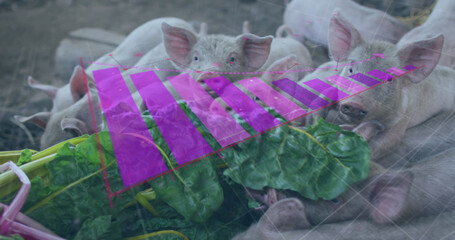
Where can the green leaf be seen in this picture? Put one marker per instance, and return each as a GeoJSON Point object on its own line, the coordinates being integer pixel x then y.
{"type": "Point", "coordinates": [94, 228]}
{"type": "Point", "coordinates": [193, 191]}
{"type": "Point", "coordinates": [26, 156]}
{"type": "Point", "coordinates": [76, 191]}
{"type": "Point", "coordinates": [318, 162]}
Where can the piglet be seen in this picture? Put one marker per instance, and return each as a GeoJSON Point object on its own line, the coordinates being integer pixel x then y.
{"type": "Point", "coordinates": [310, 19]}
{"type": "Point", "coordinates": [73, 121]}
{"type": "Point", "coordinates": [397, 104]}
{"type": "Point", "coordinates": [437, 23]}
{"type": "Point", "coordinates": [282, 68]}
{"type": "Point", "coordinates": [394, 195]}
{"type": "Point", "coordinates": [137, 43]}
{"type": "Point", "coordinates": [286, 220]}
{"type": "Point", "coordinates": [210, 56]}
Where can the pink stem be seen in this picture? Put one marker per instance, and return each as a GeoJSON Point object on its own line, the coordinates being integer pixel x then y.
{"type": "Point", "coordinates": [24, 219]}
{"type": "Point", "coordinates": [24, 230]}
{"type": "Point", "coordinates": [11, 212]}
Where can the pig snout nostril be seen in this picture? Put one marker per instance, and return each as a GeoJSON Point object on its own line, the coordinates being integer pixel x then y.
{"type": "Point", "coordinates": [346, 109]}
{"type": "Point", "coordinates": [354, 110]}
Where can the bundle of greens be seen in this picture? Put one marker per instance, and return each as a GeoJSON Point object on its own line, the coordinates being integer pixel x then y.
{"type": "Point", "coordinates": [204, 200]}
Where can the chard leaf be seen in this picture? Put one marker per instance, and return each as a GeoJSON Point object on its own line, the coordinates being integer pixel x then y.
{"type": "Point", "coordinates": [193, 191]}
{"type": "Point", "coordinates": [318, 162]}
{"type": "Point", "coordinates": [76, 191]}
{"type": "Point", "coordinates": [94, 228]}
{"type": "Point", "coordinates": [26, 156]}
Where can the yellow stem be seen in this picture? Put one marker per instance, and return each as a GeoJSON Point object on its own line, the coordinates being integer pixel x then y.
{"type": "Point", "coordinates": [145, 236]}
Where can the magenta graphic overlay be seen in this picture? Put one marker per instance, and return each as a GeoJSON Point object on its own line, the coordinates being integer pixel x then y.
{"type": "Point", "coordinates": [409, 67]}
{"type": "Point", "coordinates": [303, 95]}
{"type": "Point", "coordinates": [381, 75]}
{"type": "Point", "coordinates": [225, 132]}
{"type": "Point", "coordinates": [242, 104]}
{"type": "Point", "coordinates": [396, 71]}
{"type": "Point", "coordinates": [178, 131]}
{"type": "Point", "coordinates": [346, 84]}
{"type": "Point", "coordinates": [137, 156]}
{"type": "Point", "coordinates": [362, 78]}
{"type": "Point", "coordinates": [272, 98]}
{"type": "Point", "coordinates": [326, 89]}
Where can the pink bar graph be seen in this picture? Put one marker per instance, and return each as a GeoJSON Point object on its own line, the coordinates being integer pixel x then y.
{"type": "Point", "coordinates": [396, 71]}
{"type": "Point", "coordinates": [242, 104]}
{"type": "Point", "coordinates": [409, 67]}
{"type": "Point", "coordinates": [225, 131]}
{"type": "Point", "coordinates": [369, 81]}
{"type": "Point", "coordinates": [137, 156]}
{"type": "Point", "coordinates": [326, 89]}
{"type": "Point", "coordinates": [182, 137]}
{"type": "Point", "coordinates": [346, 84]}
{"type": "Point", "coordinates": [381, 75]}
{"type": "Point", "coordinates": [272, 98]}
{"type": "Point", "coordinates": [298, 92]}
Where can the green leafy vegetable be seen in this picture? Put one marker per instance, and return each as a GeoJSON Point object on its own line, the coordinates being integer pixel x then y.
{"type": "Point", "coordinates": [319, 162]}
{"type": "Point", "coordinates": [26, 156]}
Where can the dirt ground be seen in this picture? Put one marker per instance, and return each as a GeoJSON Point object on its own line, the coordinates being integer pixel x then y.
{"type": "Point", "coordinates": [30, 31]}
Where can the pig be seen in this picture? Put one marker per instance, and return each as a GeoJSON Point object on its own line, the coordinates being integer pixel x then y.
{"type": "Point", "coordinates": [398, 104]}
{"type": "Point", "coordinates": [286, 220]}
{"type": "Point", "coordinates": [285, 46]}
{"type": "Point", "coordinates": [393, 195]}
{"type": "Point", "coordinates": [137, 43]}
{"type": "Point", "coordinates": [65, 97]}
{"type": "Point", "coordinates": [212, 55]}
{"type": "Point", "coordinates": [422, 141]}
{"type": "Point", "coordinates": [282, 68]}
{"type": "Point", "coordinates": [310, 19]}
{"type": "Point", "coordinates": [437, 23]}
{"type": "Point", "coordinates": [73, 121]}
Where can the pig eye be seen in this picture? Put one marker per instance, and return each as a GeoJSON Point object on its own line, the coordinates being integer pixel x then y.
{"type": "Point", "coordinates": [350, 70]}
{"type": "Point", "coordinates": [257, 99]}
{"type": "Point", "coordinates": [196, 58]}
{"type": "Point", "coordinates": [362, 113]}
{"type": "Point", "coordinates": [232, 59]}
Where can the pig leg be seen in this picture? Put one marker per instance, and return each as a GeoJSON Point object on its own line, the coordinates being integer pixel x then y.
{"type": "Point", "coordinates": [387, 141]}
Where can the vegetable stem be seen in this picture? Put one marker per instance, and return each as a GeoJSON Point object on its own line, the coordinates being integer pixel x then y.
{"type": "Point", "coordinates": [145, 236]}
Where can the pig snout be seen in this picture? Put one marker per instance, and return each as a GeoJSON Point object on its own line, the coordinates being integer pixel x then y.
{"type": "Point", "coordinates": [208, 75]}
{"type": "Point", "coordinates": [354, 110]}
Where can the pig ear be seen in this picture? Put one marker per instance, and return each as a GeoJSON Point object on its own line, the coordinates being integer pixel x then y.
{"type": "Point", "coordinates": [388, 196]}
{"type": "Point", "coordinates": [178, 43]}
{"type": "Point", "coordinates": [51, 91]}
{"type": "Point", "coordinates": [281, 69]}
{"type": "Point", "coordinates": [203, 29]}
{"type": "Point", "coordinates": [256, 50]}
{"type": "Point", "coordinates": [246, 27]}
{"type": "Point", "coordinates": [343, 37]}
{"type": "Point", "coordinates": [77, 83]}
{"type": "Point", "coordinates": [424, 54]}
{"type": "Point", "coordinates": [39, 119]}
{"type": "Point", "coordinates": [74, 125]}
{"type": "Point", "coordinates": [285, 215]}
